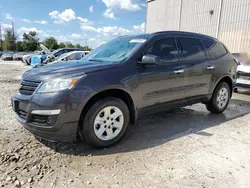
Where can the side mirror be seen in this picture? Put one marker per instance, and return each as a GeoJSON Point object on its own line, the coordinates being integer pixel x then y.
{"type": "Point", "coordinates": [149, 60]}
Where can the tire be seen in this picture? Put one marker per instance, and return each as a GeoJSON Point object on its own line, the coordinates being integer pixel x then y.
{"type": "Point", "coordinates": [91, 129]}
{"type": "Point", "coordinates": [218, 107]}
{"type": "Point", "coordinates": [27, 62]}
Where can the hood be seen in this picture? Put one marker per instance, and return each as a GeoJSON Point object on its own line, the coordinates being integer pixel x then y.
{"type": "Point", "coordinates": [64, 69]}
{"type": "Point", "coordinates": [45, 49]}
{"type": "Point", "coordinates": [244, 68]}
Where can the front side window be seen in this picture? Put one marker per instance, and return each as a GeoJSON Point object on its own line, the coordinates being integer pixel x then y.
{"type": "Point", "coordinates": [215, 49]}
{"type": "Point", "coordinates": [77, 56]}
{"type": "Point", "coordinates": [165, 49]}
{"type": "Point", "coordinates": [191, 49]}
{"type": "Point", "coordinates": [71, 57]}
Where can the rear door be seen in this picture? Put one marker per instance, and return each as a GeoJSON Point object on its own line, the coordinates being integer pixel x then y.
{"type": "Point", "coordinates": [218, 62]}
{"type": "Point", "coordinates": [194, 59]}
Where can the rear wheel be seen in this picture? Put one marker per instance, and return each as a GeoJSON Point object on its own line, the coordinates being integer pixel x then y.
{"type": "Point", "coordinates": [105, 122]}
{"type": "Point", "coordinates": [220, 99]}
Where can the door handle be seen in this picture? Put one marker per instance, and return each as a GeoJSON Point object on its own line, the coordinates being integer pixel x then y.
{"type": "Point", "coordinates": [178, 71]}
{"type": "Point", "coordinates": [210, 68]}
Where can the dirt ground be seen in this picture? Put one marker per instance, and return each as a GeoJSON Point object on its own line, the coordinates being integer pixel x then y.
{"type": "Point", "coordinates": [187, 147]}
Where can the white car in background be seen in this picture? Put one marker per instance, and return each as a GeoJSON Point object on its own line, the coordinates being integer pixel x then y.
{"type": "Point", "coordinates": [70, 56]}
{"type": "Point", "coordinates": [243, 76]}
{"type": "Point", "coordinates": [27, 58]}
{"type": "Point", "coordinates": [75, 55]}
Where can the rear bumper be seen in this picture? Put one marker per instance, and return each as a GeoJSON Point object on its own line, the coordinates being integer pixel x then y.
{"type": "Point", "coordinates": [7, 59]}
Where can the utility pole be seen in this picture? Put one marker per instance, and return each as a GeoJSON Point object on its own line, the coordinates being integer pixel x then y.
{"type": "Point", "coordinates": [1, 42]}
{"type": "Point", "coordinates": [86, 44]}
{"type": "Point", "coordinates": [13, 36]}
{"type": "Point", "coordinates": [219, 19]}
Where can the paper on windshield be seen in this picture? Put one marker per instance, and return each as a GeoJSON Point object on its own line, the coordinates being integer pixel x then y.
{"type": "Point", "coordinates": [138, 41]}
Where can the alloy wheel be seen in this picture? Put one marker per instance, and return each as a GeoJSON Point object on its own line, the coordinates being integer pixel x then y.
{"type": "Point", "coordinates": [108, 123]}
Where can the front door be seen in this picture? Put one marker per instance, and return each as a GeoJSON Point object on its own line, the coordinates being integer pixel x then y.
{"type": "Point", "coordinates": [164, 82]}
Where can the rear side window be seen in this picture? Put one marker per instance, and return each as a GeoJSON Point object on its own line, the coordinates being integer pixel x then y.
{"type": "Point", "coordinates": [215, 49]}
{"type": "Point", "coordinates": [191, 49]}
{"type": "Point", "coordinates": [165, 49]}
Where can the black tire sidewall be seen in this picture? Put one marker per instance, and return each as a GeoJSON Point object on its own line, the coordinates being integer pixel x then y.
{"type": "Point", "coordinates": [88, 128]}
{"type": "Point", "coordinates": [215, 94]}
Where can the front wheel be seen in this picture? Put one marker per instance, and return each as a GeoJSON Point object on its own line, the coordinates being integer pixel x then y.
{"type": "Point", "coordinates": [105, 122]}
{"type": "Point", "coordinates": [220, 99]}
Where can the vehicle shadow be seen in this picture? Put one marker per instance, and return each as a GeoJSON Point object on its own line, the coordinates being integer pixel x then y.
{"type": "Point", "coordinates": [160, 128]}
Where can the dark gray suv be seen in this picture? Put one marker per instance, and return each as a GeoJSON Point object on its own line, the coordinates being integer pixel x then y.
{"type": "Point", "coordinates": [99, 96]}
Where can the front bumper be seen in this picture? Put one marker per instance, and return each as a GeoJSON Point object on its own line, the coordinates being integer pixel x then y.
{"type": "Point", "coordinates": [67, 133]}
{"type": "Point", "coordinates": [52, 116]}
{"type": "Point", "coordinates": [17, 59]}
{"type": "Point", "coordinates": [242, 85]}
{"type": "Point", "coordinates": [7, 58]}
{"type": "Point", "coordinates": [243, 80]}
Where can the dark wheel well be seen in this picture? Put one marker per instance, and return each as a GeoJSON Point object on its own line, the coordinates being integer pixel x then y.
{"type": "Point", "coordinates": [227, 80]}
{"type": "Point", "coordinates": [111, 93]}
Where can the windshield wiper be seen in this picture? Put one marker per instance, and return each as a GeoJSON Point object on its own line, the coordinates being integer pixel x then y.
{"type": "Point", "coordinates": [97, 60]}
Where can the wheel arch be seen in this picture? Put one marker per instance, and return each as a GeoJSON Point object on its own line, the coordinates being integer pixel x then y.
{"type": "Point", "coordinates": [111, 92]}
{"type": "Point", "coordinates": [227, 79]}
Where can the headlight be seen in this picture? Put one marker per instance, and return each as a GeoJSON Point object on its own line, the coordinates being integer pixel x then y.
{"type": "Point", "coordinates": [59, 84]}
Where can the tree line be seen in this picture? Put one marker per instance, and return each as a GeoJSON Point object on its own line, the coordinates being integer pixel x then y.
{"type": "Point", "coordinates": [31, 42]}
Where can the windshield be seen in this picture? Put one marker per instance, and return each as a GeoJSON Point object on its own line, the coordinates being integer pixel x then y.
{"type": "Point", "coordinates": [247, 63]}
{"type": "Point", "coordinates": [237, 57]}
{"type": "Point", "coordinates": [118, 49]}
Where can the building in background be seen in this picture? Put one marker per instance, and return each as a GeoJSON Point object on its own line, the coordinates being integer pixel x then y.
{"type": "Point", "coordinates": [227, 20]}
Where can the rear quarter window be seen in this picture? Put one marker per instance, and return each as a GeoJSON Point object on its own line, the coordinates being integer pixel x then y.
{"type": "Point", "coordinates": [215, 49]}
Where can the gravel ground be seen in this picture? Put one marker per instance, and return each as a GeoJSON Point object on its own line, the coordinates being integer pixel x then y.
{"type": "Point", "coordinates": [187, 147]}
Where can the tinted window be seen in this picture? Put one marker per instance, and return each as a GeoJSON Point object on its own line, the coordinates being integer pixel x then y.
{"type": "Point", "coordinates": [191, 49]}
{"type": "Point", "coordinates": [57, 54]}
{"type": "Point", "coordinates": [69, 50]}
{"type": "Point", "coordinates": [166, 49]}
{"type": "Point", "coordinates": [214, 48]}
